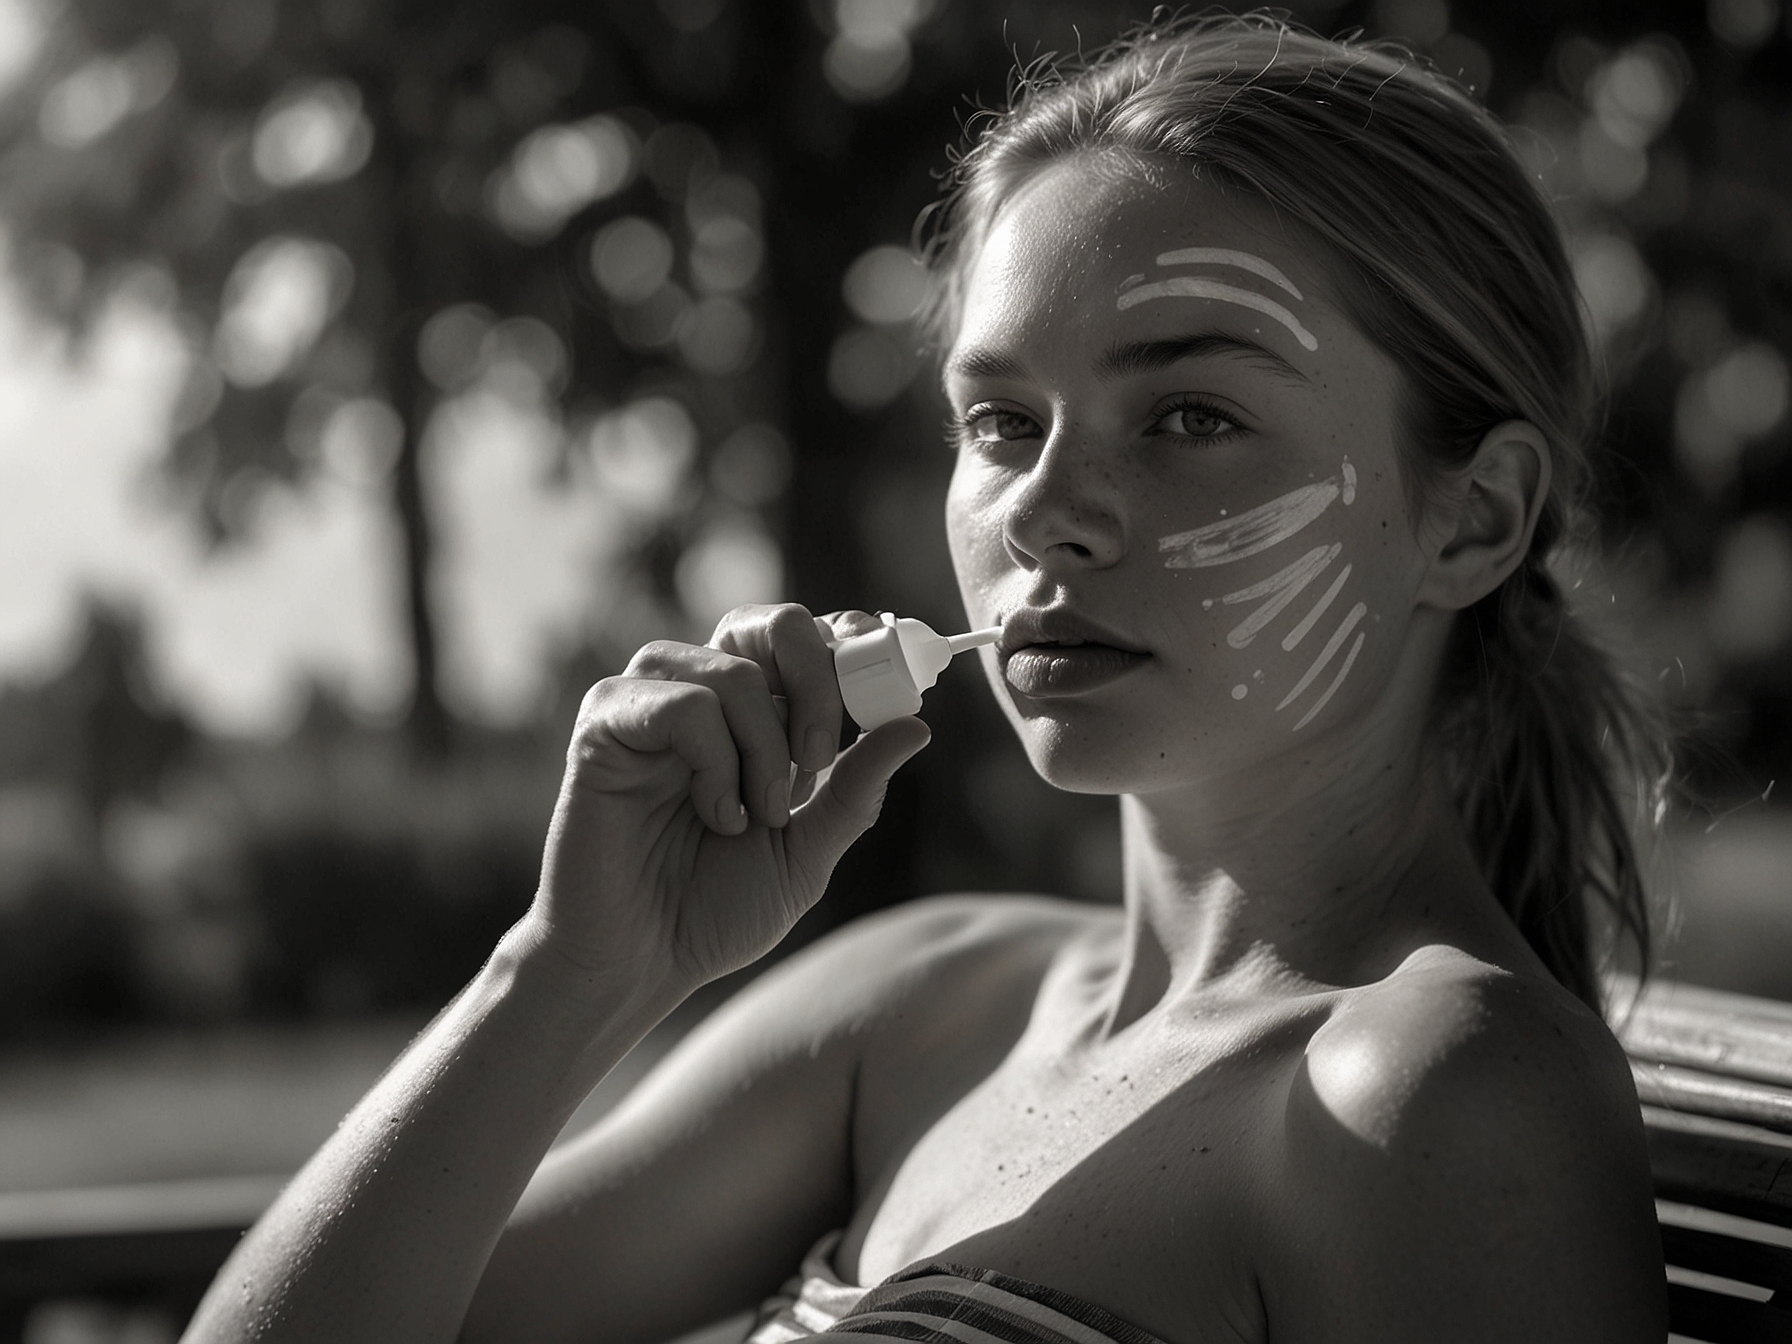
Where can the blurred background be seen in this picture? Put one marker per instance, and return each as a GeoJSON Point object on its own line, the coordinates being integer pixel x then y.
{"type": "Point", "coordinates": [376, 375]}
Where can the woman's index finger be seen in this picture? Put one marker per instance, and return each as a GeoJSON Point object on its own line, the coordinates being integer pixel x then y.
{"type": "Point", "coordinates": [803, 654]}
{"type": "Point", "coordinates": [793, 650]}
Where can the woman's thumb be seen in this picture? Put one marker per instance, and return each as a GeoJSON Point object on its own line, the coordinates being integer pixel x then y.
{"type": "Point", "coordinates": [846, 803]}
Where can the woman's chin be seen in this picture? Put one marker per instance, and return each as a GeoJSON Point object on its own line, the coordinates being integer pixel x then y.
{"type": "Point", "coordinates": [1081, 762]}
{"type": "Point", "coordinates": [1120, 758]}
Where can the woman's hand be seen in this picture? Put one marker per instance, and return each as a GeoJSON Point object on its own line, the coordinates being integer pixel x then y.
{"type": "Point", "coordinates": [674, 854]}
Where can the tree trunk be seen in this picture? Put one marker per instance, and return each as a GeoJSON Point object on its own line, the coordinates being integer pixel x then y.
{"type": "Point", "coordinates": [412, 282]}
{"type": "Point", "coordinates": [428, 723]}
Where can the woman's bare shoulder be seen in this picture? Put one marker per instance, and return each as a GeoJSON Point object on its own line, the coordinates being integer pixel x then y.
{"type": "Point", "coordinates": [1469, 1146]}
{"type": "Point", "coordinates": [911, 951]}
{"type": "Point", "coordinates": [830, 992]}
{"type": "Point", "coordinates": [1445, 1023]}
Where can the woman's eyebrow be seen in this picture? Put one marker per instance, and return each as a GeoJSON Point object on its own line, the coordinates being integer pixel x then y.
{"type": "Point", "coordinates": [982, 362]}
{"type": "Point", "coordinates": [1125, 359]}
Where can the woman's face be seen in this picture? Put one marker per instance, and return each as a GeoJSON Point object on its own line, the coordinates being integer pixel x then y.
{"type": "Point", "coordinates": [1175, 449]}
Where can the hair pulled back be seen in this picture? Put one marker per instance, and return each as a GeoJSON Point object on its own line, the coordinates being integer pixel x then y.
{"type": "Point", "coordinates": [1445, 255]}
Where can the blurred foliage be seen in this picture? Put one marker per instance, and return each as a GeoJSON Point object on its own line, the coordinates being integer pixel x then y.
{"type": "Point", "coordinates": [673, 233]}
{"type": "Point", "coordinates": [335, 875]}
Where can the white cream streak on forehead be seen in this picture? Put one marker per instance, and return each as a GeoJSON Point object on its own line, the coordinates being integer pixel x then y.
{"type": "Point", "coordinates": [1195, 287]}
{"type": "Point", "coordinates": [1226, 256]}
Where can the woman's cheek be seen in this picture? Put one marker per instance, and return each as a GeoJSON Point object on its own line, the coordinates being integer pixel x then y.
{"type": "Point", "coordinates": [974, 530]}
{"type": "Point", "coordinates": [1283, 601]}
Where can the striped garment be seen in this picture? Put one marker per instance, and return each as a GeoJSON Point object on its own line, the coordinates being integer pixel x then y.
{"type": "Point", "coordinates": [935, 1303]}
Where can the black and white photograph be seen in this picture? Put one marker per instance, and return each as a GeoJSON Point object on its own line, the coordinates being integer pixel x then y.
{"type": "Point", "coordinates": [952, 671]}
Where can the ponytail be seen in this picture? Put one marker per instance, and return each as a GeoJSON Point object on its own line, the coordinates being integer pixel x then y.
{"type": "Point", "coordinates": [1557, 763]}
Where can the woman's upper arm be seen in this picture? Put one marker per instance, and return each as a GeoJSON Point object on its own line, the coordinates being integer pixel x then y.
{"type": "Point", "coordinates": [1475, 1171]}
{"type": "Point", "coordinates": [699, 1193]}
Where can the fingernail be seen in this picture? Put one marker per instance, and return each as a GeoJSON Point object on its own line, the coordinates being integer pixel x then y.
{"type": "Point", "coordinates": [818, 748]}
{"type": "Point", "coordinates": [732, 811]}
{"type": "Point", "coordinates": [777, 798]}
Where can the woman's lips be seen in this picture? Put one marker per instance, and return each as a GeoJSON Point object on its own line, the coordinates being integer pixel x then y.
{"type": "Point", "coordinates": [1045, 670]}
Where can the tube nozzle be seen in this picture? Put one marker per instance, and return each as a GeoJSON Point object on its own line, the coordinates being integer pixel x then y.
{"type": "Point", "coordinates": [973, 639]}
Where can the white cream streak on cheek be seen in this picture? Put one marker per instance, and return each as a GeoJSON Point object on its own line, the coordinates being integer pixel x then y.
{"type": "Point", "coordinates": [1278, 590]}
{"type": "Point", "coordinates": [1326, 654]}
{"type": "Point", "coordinates": [1194, 287]}
{"type": "Point", "coordinates": [1233, 539]}
{"type": "Point", "coordinates": [1307, 622]}
{"type": "Point", "coordinates": [1331, 690]}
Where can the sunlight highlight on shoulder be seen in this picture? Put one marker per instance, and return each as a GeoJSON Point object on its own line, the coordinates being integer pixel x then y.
{"type": "Point", "coordinates": [1369, 1062]}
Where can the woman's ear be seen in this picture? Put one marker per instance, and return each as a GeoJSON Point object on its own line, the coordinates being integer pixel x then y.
{"type": "Point", "coordinates": [1485, 529]}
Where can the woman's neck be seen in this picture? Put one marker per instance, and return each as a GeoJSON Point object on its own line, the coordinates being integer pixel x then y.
{"type": "Point", "coordinates": [1324, 878]}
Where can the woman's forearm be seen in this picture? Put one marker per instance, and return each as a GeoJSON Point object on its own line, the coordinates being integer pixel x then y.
{"type": "Point", "coordinates": [384, 1233]}
{"type": "Point", "coordinates": [655, 869]}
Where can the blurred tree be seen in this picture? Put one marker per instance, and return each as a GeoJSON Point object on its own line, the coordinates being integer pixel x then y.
{"type": "Point", "coordinates": [632, 218]}
{"type": "Point", "coordinates": [665, 229]}
{"type": "Point", "coordinates": [360, 209]}
{"type": "Point", "coordinates": [94, 729]}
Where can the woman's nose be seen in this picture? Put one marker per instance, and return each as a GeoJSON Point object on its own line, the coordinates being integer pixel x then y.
{"type": "Point", "coordinates": [1066, 511]}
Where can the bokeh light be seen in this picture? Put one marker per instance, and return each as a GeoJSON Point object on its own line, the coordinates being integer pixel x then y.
{"type": "Point", "coordinates": [1721, 408]}
{"type": "Point", "coordinates": [725, 255]}
{"type": "Point", "coordinates": [1615, 282]}
{"type": "Point", "coordinates": [885, 285]}
{"type": "Point", "coordinates": [88, 103]}
{"type": "Point", "coordinates": [868, 367]}
{"type": "Point", "coordinates": [360, 441]}
{"type": "Point", "coordinates": [21, 38]}
{"type": "Point", "coordinates": [277, 300]}
{"type": "Point", "coordinates": [524, 359]}
{"type": "Point", "coordinates": [732, 562]}
{"type": "Point", "coordinates": [655, 321]}
{"type": "Point", "coordinates": [870, 55]}
{"type": "Point", "coordinates": [526, 546]}
{"type": "Point", "coordinates": [643, 453]}
{"type": "Point", "coordinates": [1635, 95]}
{"type": "Point", "coordinates": [1748, 388]}
{"type": "Point", "coordinates": [451, 345]}
{"type": "Point", "coordinates": [1743, 24]}
{"type": "Point", "coordinates": [557, 171]}
{"type": "Point", "coordinates": [751, 467]}
{"type": "Point", "coordinates": [313, 132]}
{"type": "Point", "coordinates": [631, 258]}
{"type": "Point", "coordinates": [718, 336]}
{"type": "Point", "coordinates": [1751, 602]}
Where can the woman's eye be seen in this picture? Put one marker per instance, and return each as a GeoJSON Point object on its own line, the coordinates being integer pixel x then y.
{"type": "Point", "coordinates": [992, 424]}
{"type": "Point", "coordinates": [1195, 420]}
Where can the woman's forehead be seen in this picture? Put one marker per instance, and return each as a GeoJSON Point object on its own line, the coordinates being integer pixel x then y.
{"type": "Point", "coordinates": [1099, 244]}
{"type": "Point", "coordinates": [1085, 217]}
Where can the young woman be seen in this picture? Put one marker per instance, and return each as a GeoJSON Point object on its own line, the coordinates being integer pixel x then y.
{"type": "Point", "coordinates": [1270, 389]}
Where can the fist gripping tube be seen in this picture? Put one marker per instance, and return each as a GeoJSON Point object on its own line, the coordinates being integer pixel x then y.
{"type": "Point", "coordinates": [882, 673]}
